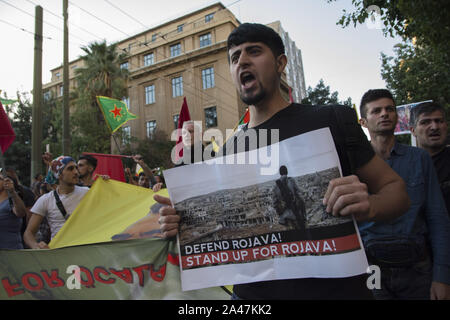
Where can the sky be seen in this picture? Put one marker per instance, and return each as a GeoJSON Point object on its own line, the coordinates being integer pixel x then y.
{"type": "Point", "coordinates": [347, 59]}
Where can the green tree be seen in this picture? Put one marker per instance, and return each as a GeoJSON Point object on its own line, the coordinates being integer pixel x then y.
{"type": "Point", "coordinates": [156, 150]}
{"type": "Point", "coordinates": [427, 20]}
{"type": "Point", "coordinates": [322, 95]}
{"type": "Point", "coordinates": [419, 70]}
{"type": "Point", "coordinates": [417, 73]}
{"type": "Point", "coordinates": [18, 154]}
{"type": "Point", "coordinates": [100, 76]}
{"type": "Point", "coordinates": [52, 124]}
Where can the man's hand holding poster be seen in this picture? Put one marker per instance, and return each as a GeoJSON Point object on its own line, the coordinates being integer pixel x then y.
{"type": "Point", "coordinates": [258, 220]}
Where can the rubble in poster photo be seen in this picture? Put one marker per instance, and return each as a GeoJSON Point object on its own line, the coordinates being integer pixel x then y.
{"type": "Point", "coordinates": [247, 211]}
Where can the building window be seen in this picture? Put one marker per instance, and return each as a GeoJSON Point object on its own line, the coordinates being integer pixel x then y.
{"type": "Point", "coordinates": [61, 91]}
{"type": "Point", "coordinates": [124, 65]}
{"type": "Point", "coordinates": [153, 37]}
{"type": "Point", "coordinates": [177, 87]}
{"type": "Point", "coordinates": [126, 100]}
{"type": "Point", "coordinates": [211, 117]}
{"type": "Point", "coordinates": [126, 135]}
{"type": "Point", "coordinates": [149, 59]}
{"type": "Point", "coordinates": [150, 94]}
{"type": "Point", "coordinates": [47, 95]}
{"type": "Point", "coordinates": [180, 28]}
{"type": "Point", "coordinates": [151, 128]}
{"type": "Point", "coordinates": [209, 17]}
{"type": "Point", "coordinates": [175, 120]}
{"type": "Point", "coordinates": [208, 78]}
{"type": "Point", "coordinates": [57, 75]}
{"type": "Point", "coordinates": [175, 50]}
{"type": "Point", "coordinates": [205, 40]}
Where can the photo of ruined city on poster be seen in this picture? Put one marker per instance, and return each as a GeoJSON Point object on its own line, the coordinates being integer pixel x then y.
{"type": "Point", "coordinates": [249, 211]}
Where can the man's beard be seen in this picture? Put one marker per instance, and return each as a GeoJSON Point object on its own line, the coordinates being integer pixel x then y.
{"type": "Point", "coordinates": [82, 176]}
{"type": "Point", "coordinates": [252, 100]}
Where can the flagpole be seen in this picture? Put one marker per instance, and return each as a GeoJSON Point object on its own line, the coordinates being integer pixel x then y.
{"type": "Point", "coordinates": [2, 161]}
{"type": "Point", "coordinates": [117, 144]}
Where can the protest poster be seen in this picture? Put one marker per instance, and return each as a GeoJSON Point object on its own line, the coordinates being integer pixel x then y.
{"type": "Point", "coordinates": [243, 222]}
{"type": "Point", "coordinates": [404, 115]}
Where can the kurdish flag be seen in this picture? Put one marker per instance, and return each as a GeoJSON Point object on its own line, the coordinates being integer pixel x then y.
{"type": "Point", "coordinates": [115, 112]}
{"type": "Point", "coordinates": [7, 101]}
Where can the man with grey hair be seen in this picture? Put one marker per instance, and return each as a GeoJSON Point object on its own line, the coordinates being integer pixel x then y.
{"type": "Point", "coordinates": [193, 147]}
{"type": "Point", "coordinates": [429, 127]}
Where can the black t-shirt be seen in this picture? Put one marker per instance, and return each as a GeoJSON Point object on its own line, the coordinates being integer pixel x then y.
{"type": "Point", "coordinates": [442, 166]}
{"type": "Point", "coordinates": [350, 142]}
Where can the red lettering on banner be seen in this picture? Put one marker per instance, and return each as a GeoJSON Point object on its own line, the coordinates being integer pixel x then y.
{"type": "Point", "coordinates": [101, 270]}
{"type": "Point", "coordinates": [124, 274]}
{"type": "Point", "coordinates": [52, 280]}
{"type": "Point", "coordinates": [12, 289]}
{"type": "Point", "coordinates": [158, 275]}
{"type": "Point", "coordinates": [173, 259]}
{"type": "Point", "coordinates": [140, 274]}
{"type": "Point", "coordinates": [89, 283]}
{"type": "Point", "coordinates": [28, 285]}
{"type": "Point", "coordinates": [317, 247]}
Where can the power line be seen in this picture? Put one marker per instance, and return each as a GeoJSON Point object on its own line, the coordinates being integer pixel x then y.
{"type": "Point", "coordinates": [47, 23]}
{"type": "Point", "coordinates": [231, 4]}
{"type": "Point", "coordinates": [215, 72]}
{"type": "Point", "coordinates": [129, 16]}
{"type": "Point", "coordinates": [101, 20]}
{"type": "Point", "coordinates": [61, 18]}
{"type": "Point", "coordinates": [162, 37]}
{"type": "Point", "coordinates": [231, 109]}
{"type": "Point", "coordinates": [168, 80]}
{"type": "Point", "coordinates": [22, 29]}
{"type": "Point", "coordinates": [32, 33]}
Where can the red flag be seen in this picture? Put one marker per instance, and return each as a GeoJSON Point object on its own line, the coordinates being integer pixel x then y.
{"type": "Point", "coordinates": [109, 164]}
{"type": "Point", "coordinates": [7, 134]}
{"type": "Point", "coordinates": [184, 116]}
{"type": "Point", "coordinates": [291, 100]}
{"type": "Point", "coordinates": [245, 118]}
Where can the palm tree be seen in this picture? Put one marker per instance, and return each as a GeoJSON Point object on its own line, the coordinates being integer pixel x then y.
{"type": "Point", "coordinates": [100, 76]}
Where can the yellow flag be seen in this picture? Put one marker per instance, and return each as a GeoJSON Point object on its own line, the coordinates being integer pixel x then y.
{"type": "Point", "coordinates": [111, 210]}
{"type": "Point", "coordinates": [216, 147]}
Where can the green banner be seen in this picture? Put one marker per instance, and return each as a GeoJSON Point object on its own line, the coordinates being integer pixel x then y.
{"type": "Point", "coordinates": [131, 269]}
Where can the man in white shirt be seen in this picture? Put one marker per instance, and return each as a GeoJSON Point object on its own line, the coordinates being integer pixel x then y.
{"type": "Point", "coordinates": [64, 169]}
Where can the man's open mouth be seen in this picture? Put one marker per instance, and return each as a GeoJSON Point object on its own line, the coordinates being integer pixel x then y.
{"type": "Point", "coordinates": [434, 135]}
{"type": "Point", "coordinates": [247, 79]}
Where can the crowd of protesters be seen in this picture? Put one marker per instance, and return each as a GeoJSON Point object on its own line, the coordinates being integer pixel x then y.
{"type": "Point", "coordinates": [31, 216]}
{"type": "Point", "coordinates": [397, 193]}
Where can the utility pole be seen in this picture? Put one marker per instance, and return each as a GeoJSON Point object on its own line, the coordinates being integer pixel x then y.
{"type": "Point", "coordinates": [36, 126]}
{"type": "Point", "coordinates": [66, 113]}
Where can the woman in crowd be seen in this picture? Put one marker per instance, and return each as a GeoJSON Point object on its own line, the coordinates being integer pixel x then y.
{"type": "Point", "coordinates": [12, 210]}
